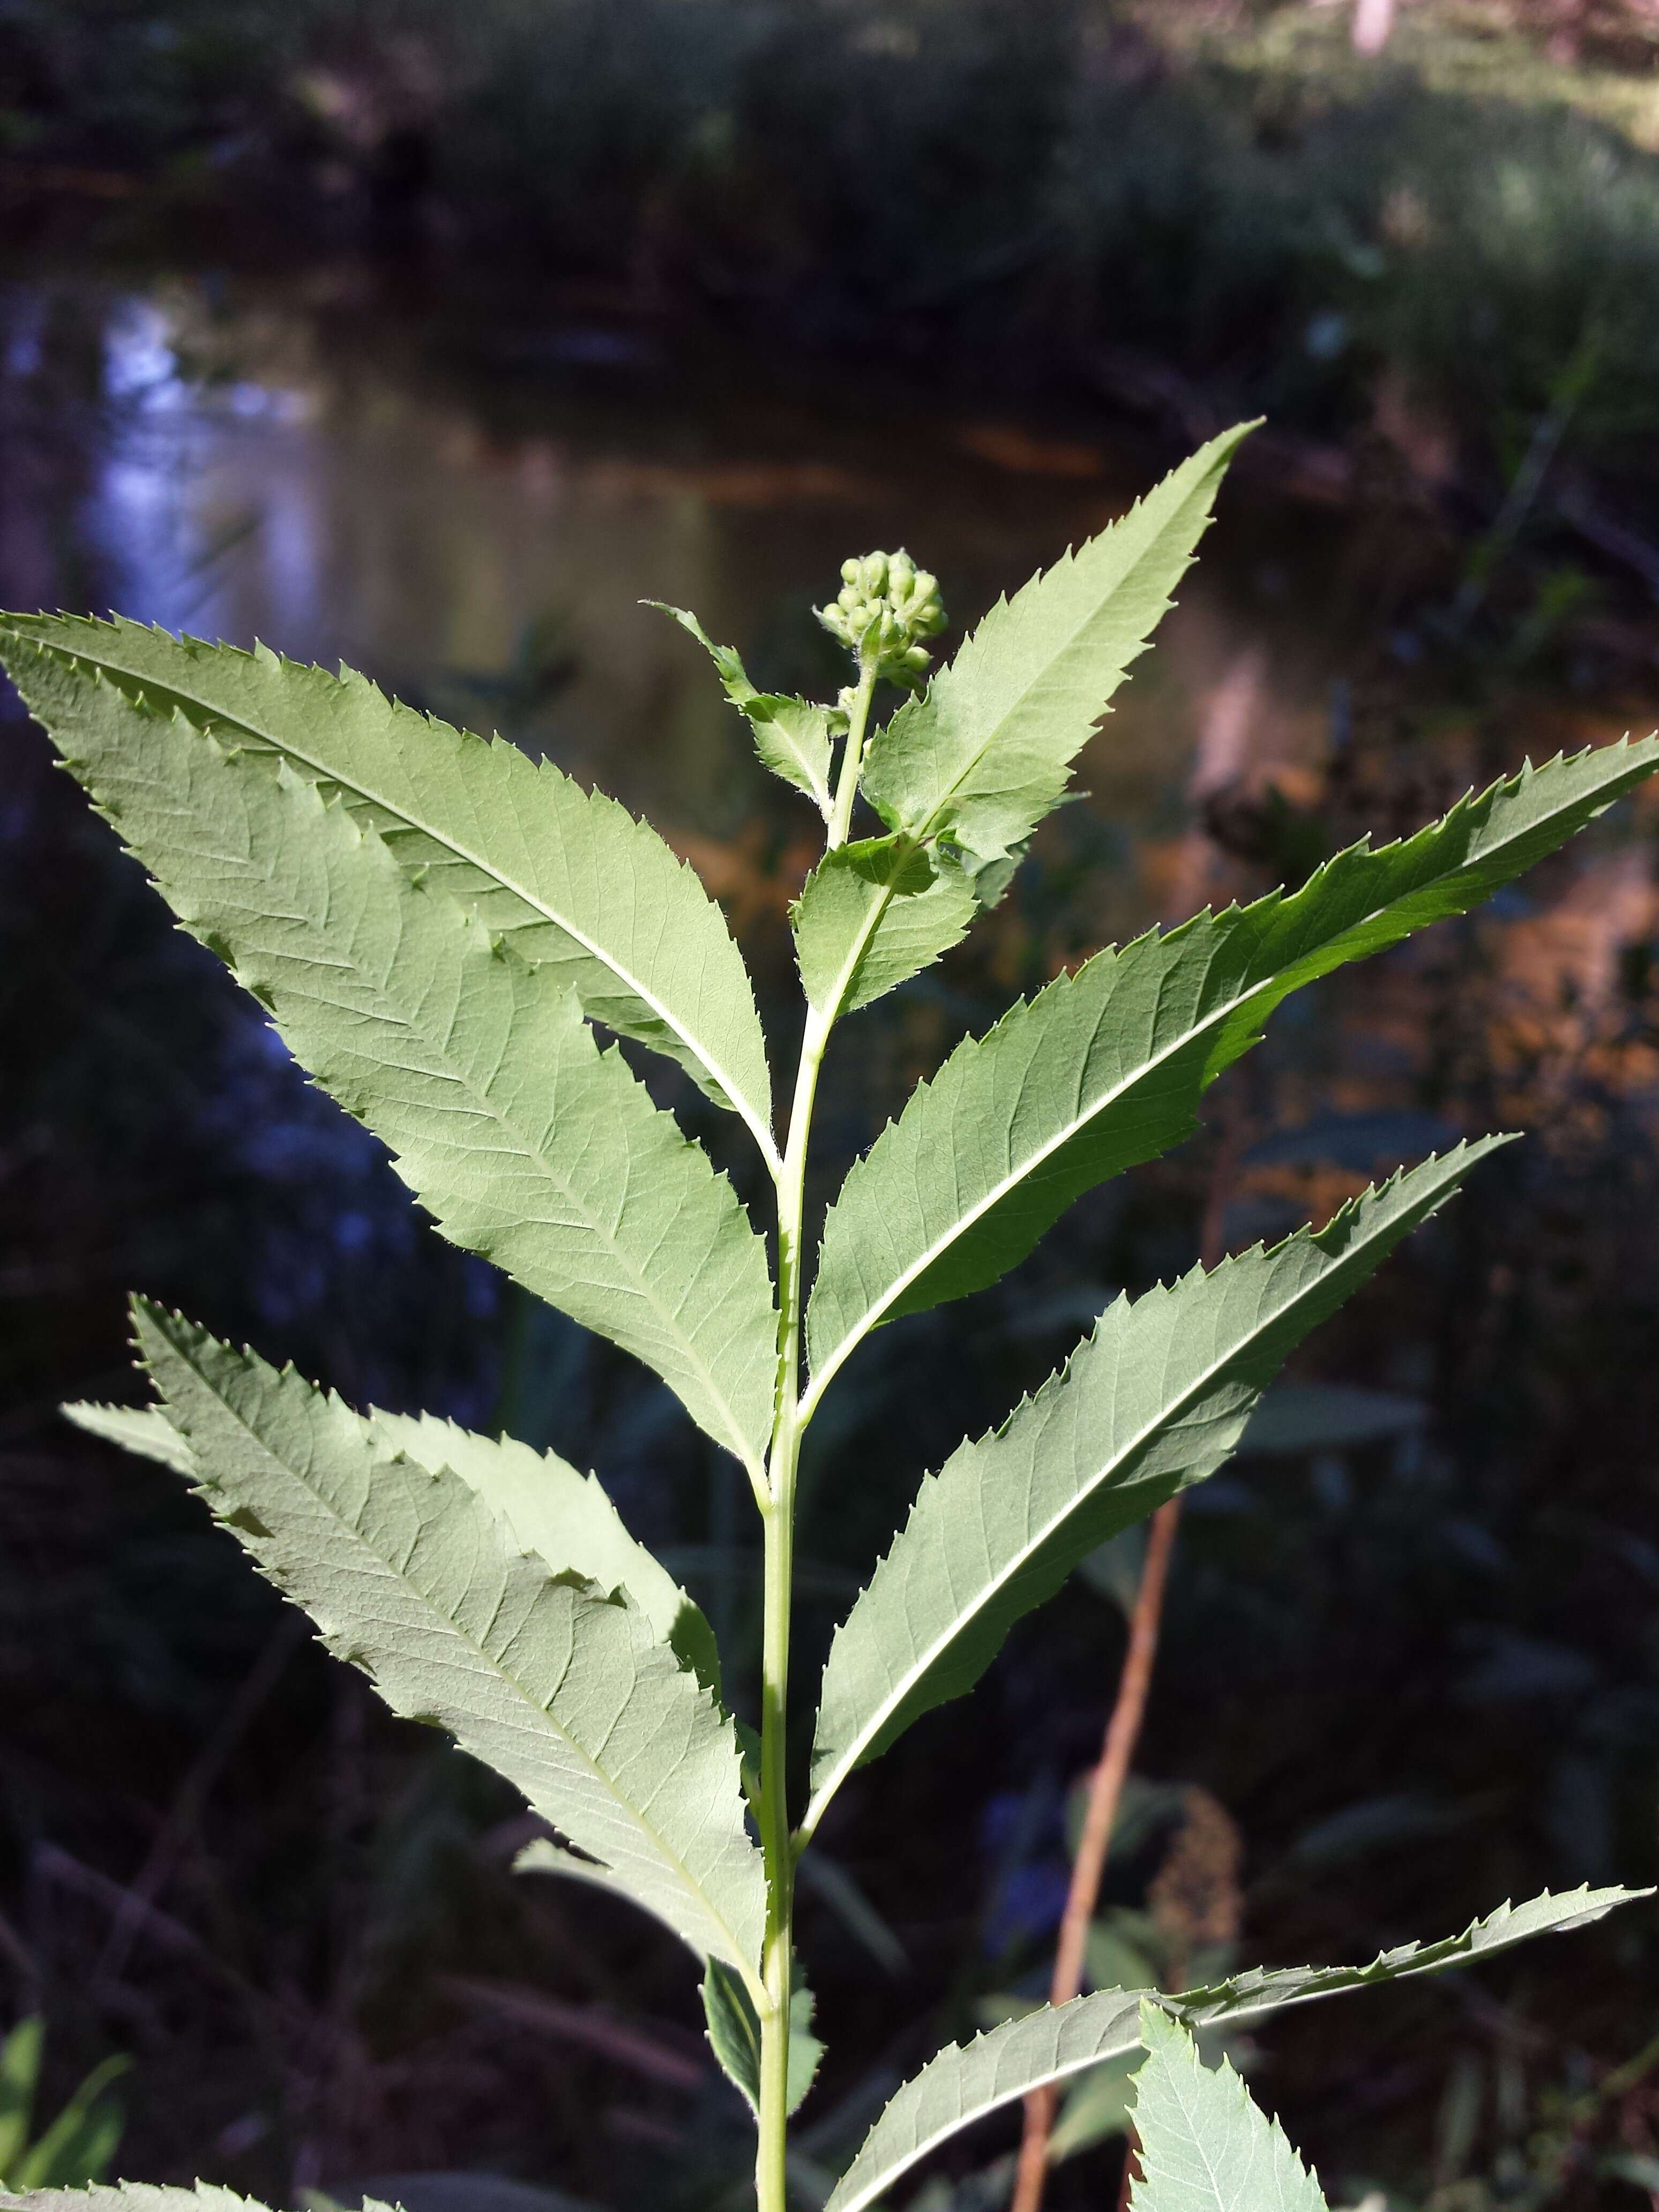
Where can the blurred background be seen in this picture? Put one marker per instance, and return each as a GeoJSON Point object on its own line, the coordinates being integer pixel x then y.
{"type": "Point", "coordinates": [436, 337]}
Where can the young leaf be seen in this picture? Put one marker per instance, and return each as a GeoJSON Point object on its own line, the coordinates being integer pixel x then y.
{"type": "Point", "coordinates": [1205, 2147]}
{"type": "Point", "coordinates": [734, 2034]}
{"type": "Point", "coordinates": [872, 914]}
{"type": "Point", "coordinates": [565, 1517]}
{"type": "Point", "coordinates": [1105, 1068]}
{"type": "Point", "coordinates": [984, 753]}
{"type": "Point", "coordinates": [965, 2082]}
{"type": "Point", "coordinates": [568, 876]}
{"type": "Point", "coordinates": [526, 1142]}
{"type": "Point", "coordinates": [1154, 1400]}
{"type": "Point", "coordinates": [561, 1687]}
{"type": "Point", "coordinates": [792, 736]}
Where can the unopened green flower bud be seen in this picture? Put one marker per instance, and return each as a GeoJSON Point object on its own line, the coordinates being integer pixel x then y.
{"type": "Point", "coordinates": [885, 606]}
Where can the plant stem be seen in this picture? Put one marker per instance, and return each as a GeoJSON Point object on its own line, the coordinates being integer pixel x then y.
{"type": "Point", "coordinates": [853, 759]}
{"type": "Point", "coordinates": [778, 1509]}
{"type": "Point", "coordinates": [1105, 1789]}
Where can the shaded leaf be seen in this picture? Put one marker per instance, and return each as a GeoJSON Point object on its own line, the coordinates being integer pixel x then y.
{"type": "Point", "coordinates": [561, 1687]}
{"type": "Point", "coordinates": [568, 876]}
{"type": "Point", "coordinates": [1155, 1400]}
{"type": "Point", "coordinates": [526, 1142]}
{"type": "Point", "coordinates": [871, 915]}
{"type": "Point", "coordinates": [734, 2034]}
{"type": "Point", "coordinates": [1105, 1068]}
{"type": "Point", "coordinates": [967, 2080]}
{"type": "Point", "coordinates": [985, 752]}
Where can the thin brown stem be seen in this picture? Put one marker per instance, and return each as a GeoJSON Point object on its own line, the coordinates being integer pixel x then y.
{"type": "Point", "coordinates": [1105, 1789]}
{"type": "Point", "coordinates": [1117, 1753]}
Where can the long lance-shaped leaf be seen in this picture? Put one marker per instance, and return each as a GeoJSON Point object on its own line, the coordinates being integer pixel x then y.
{"type": "Point", "coordinates": [568, 875]}
{"type": "Point", "coordinates": [565, 1517]}
{"type": "Point", "coordinates": [1154, 1400]}
{"type": "Point", "coordinates": [561, 1686]}
{"type": "Point", "coordinates": [1204, 2145]}
{"type": "Point", "coordinates": [984, 752]}
{"type": "Point", "coordinates": [526, 1142]}
{"type": "Point", "coordinates": [966, 2081]}
{"type": "Point", "coordinates": [1105, 1068]}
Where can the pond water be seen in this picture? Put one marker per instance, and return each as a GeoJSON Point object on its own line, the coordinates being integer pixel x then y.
{"type": "Point", "coordinates": [476, 524]}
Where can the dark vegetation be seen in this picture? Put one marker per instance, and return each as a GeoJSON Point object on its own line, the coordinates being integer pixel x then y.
{"type": "Point", "coordinates": [1439, 272]}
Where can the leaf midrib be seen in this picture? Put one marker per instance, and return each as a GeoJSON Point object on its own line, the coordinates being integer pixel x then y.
{"type": "Point", "coordinates": [525, 1149]}
{"type": "Point", "coordinates": [1006, 1185]}
{"type": "Point", "coordinates": [1168, 1412]}
{"type": "Point", "coordinates": [934, 821]}
{"type": "Point", "coordinates": [1427, 1958]}
{"type": "Point", "coordinates": [462, 852]}
{"type": "Point", "coordinates": [357, 1538]}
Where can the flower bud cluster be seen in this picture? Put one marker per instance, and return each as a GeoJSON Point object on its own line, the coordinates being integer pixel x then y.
{"type": "Point", "coordinates": [885, 607]}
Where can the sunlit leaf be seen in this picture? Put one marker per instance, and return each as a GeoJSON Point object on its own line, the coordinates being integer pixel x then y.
{"type": "Point", "coordinates": [792, 736]}
{"type": "Point", "coordinates": [568, 876]}
{"type": "Point", "coordinates": [1154, 1400]}
{"type": "Point", "coordinates": [984, 753]}
{"type": "Point", "coordinates": [1203, 2145]}
{"type": "Point", "coordinates": [967, 2080]}
{"type": "Point", "coordinates": [1105, 1068]}
{"type": "Point", "coordinates": [562, 1515]}
{"type": "Point", "coordinates": [526, 1142]}
{"type": "Point", "coordinates": [561, 1686]}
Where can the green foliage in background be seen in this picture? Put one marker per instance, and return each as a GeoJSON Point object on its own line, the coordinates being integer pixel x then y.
{"type": "Point", "coordinates": [78, 2146]}
{"type": "Point", "coordinates": [435, 927]}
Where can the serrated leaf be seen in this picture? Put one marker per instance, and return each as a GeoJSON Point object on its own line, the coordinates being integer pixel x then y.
{"type": "Point", "coordinates": [792, 736]}
{"type": "Point", "coordinates": [561, 1687]}
{"type": "Point", "coordinates": [871, 915]}
{"type": "Point", "coordinates": [145, 1429]}
{"type": "Point", "coordinates": [985, 751]}
{"type": "Point", "coordinates": [1204, 2145]}
{"type": "Point", "coordinates": [568, 876]}
{"type": "Point", "coordinates": [1154, 1400]}
{"type": "Point", "coordinates": [966, 2081]}
{"type": "Point", "coordinates": [734, 2035]}
{"type": "Point", "coordinates": [139, 2196]}
{"type": "Point", "coordinates": [1105, 1068]}
{"type": "Point", "coordinates": [564, 1516]}
{"type": "Point", "coordinates": [526, 1142]}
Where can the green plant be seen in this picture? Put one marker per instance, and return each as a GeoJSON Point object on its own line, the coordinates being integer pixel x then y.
{"type": "Point", "coordinates": [434, 923]}
{"type": "Point", "coordinates": [75, 2149]}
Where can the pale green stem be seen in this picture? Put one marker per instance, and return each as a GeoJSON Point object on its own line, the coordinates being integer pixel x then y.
{"type": "Point", "coordinates": [779, 1510]}
{"type": "Point", "coordinates": [853, 759]}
